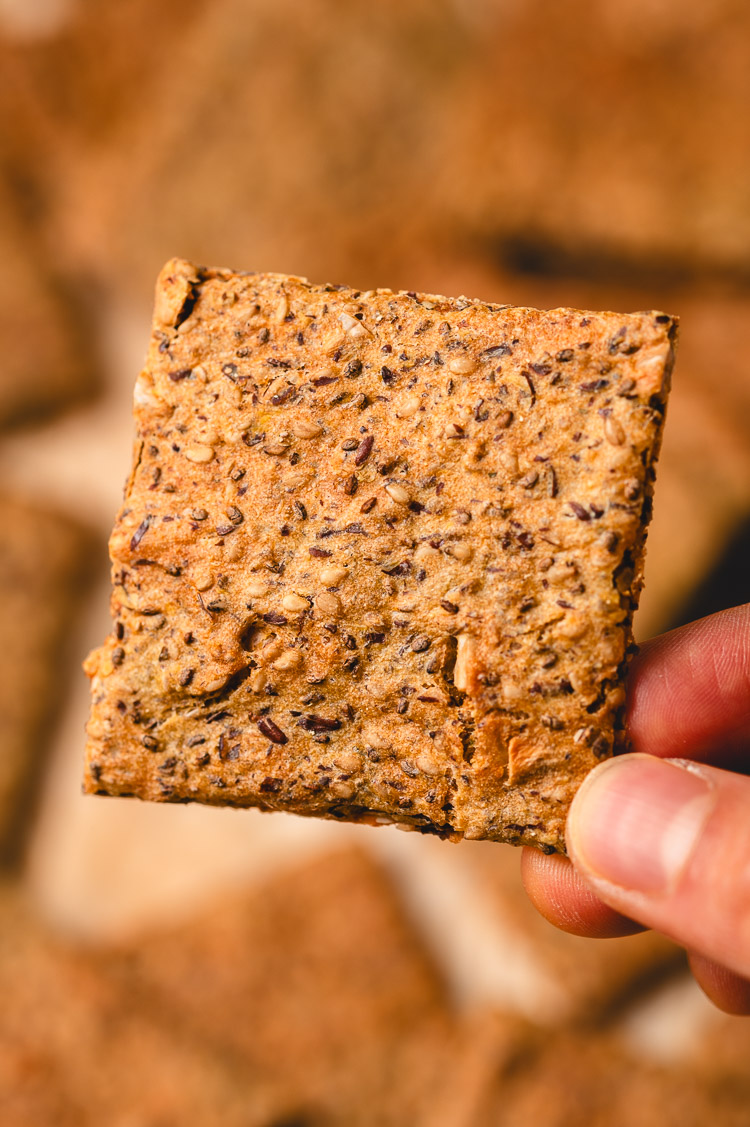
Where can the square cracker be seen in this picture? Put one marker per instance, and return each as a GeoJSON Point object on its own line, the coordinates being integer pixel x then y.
{"type": "Point", "coordinates": [316, 986]}
{"type": "Point", "coordinates": [378, 555]}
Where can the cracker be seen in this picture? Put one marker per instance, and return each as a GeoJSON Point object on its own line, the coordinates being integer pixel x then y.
{"type": "Point", "coordinates": [361, 145]}
{"type": "Point", "coordinates": [316, 981]}
{"type": "Point", "coordinates": [379, 554]}
{"type": "Point", "coordinates": [43, 368]}
{"type": "Point", "coordinates": [581, 1078]}
{"type": "Point", "coordinates": [43, 564]}
{"type": "Point", "coordinates": [570, 183]}
{"type": "Point", "coordinates": [578, 979]}
{"type": "Point", "coordinates": [76, 1049]}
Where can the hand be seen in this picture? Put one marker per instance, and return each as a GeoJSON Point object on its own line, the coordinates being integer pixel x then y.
{"type": "Point", "coordinates": [662, 836]}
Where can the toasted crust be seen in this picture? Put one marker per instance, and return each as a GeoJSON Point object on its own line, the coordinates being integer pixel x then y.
{"type": "Point", "coordinates": [379, 554]}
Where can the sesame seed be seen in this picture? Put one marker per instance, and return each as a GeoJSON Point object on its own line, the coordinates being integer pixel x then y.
{"type": "Point", "coordinates": [301, 428]}
{"type": "Point", "coordinates": [398, 494]}
{"type": "Point", "coordinates": [332, 576]}
{"type": "Point", "coordinates": [294, 603]}
{"type": "Point", "coordinates": [461, 365]}
{"type": "Point", "coordinates": [199, 453]}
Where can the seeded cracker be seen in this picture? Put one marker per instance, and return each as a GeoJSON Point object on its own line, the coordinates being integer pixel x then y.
{"type": "Point", "coordinates": [379, 554]}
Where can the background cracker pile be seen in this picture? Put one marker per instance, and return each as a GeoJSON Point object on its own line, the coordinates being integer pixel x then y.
{"type": "Point", "coordinates": [450, 147]}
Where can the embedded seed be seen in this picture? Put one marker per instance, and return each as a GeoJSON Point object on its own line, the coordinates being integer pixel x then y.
{"type": "Point", "coordinates": [281, 310]}
{"type": "Point", "coordinates": [351, 326]}
{"type": "Point", "coordinates": [375, 738]}
{"type": "Point", "coordinates": [613, 431]}
{"type": "Point", "coordinates": [462, 552]}
{"type": "Point", "coordinates": [272, 731]}
{"type": "Point", "coordinates": [465, 655]}
{"type": "Point", "coordinates": [343, 790]}
{"type": "Point", "coordinates": [276, 448]}
{"type": "Point", "coordinates": [508, 460]}
{"type": "Point", "coordinates": [215, 685]}
{"type": "Point", "coordinates": [332, 576]}
{"type": "Point", "coordinates": [348, 761]}
{"type": "Point", "coordinates": [651, 360]}
{"type": "Point", "coordinates": [199, 453]}
{"type": "Point", "coordinates": [453, 430]}
{"type": "Point", "coordinates": [461, 365]}
{"type": "Point", "coordinates": [426, 552]}
{"type": "Point", "coordinates": [294, 603]}
{"type": "Point", "coordinates": [409, 407]}
{"type": "Point", "coordinates": [203, 580]}
{"type": "Point", "coordinates": [258, 681]}
{"type": "Point", "coordinates": [304, 429]}
{"type": "Point", "coordinates": [327, 603]}
{"type": "Point", "coordinates": [398, 494]}
{"type": "Point", "coordinates": [290, 659]}
{"type": "Point", "coordinates": [427, 765]}
{"type": "Point", "coordinates": [421, 643]}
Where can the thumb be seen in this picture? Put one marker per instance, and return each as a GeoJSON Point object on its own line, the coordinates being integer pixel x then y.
{"type": "Point", "coordinates": [667, 842]}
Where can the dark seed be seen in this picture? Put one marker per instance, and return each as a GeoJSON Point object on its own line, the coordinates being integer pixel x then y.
{"type": "Point", "coordinates": [450, 607]}
{"type": "Point", "coordinates": [368, 505]}
{"type": "Point", "coordinates": [272, 731]}
{"type": "Point", "coordinates": [313, 723]}
{"type": "Point", "coordinates": [139, 533]}
{"type": "Point", "coordinates": [350, 485]}
{"type": "Point", "coordinates": [270, 785]}
{"type": "Point", "coordinates": [273, 618]}
{"type": "Point", "coordinates": [580, 512]}
{"type": "Point", "coordinates": [363, 451]}
{"type": "Point", "coordinates": [421, 643]}
{"type": "Point", "coordinates": [118, 655]}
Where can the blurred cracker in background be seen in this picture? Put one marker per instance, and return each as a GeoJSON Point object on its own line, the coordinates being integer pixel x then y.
{"type": "Point", "coordinates": [277, 134]}
{"type": "Point", "coordinates": [614, 129]}
{"type": "Point", "coordinates": [317, 979]}
{"type": "Point", "coordinates": [584, 1078]}
{"type": "Point", "coordinates": [44, 365]}
{"type": "Point", "coordinates": [578, 980]}
{"type": "Point", "coordinates": [44, 567]}
{"type": "Point", "coordinates": [309, 1001]}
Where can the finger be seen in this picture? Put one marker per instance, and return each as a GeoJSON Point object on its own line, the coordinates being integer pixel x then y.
{"type": "Point", "coordinates": [689, 690]}
{"type": "Point", "coordinates": [558, 893]}
{"type": "Point", "coordinates": [725, 988]}
{"type": "Point", "coordinates": [668, 843]}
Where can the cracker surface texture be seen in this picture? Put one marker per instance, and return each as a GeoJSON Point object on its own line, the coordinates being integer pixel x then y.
{"type": "Point", "coordinates": [378, 555]}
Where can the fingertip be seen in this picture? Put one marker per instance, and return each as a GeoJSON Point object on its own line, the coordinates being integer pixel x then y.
{"type": "Point", "coordinates": [727, 990]}
{"type": "Point", "coordinates": [560, 895]}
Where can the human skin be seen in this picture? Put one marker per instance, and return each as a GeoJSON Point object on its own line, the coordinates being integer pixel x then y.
{"type": "Point", "coordinates": [662, 844]}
